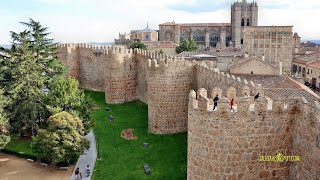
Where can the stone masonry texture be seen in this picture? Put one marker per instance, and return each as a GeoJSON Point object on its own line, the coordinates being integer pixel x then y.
{"type": "Point", "coordinates": [221, 144]}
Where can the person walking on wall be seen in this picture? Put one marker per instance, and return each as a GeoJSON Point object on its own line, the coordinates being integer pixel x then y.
{"type": "Point", "coordinates": [256, 97]}
{"type": "Point", "coordinates": [215, 101]}
{"type": "Point", "coordinates": [231, 105]}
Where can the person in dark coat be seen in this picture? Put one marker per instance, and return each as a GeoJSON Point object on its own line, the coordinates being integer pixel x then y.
{"type": "Point", "coordinates": [215, 101]}
{"type": "Point", "coordinates": [256, 97]}
{"type": "Point", "coordinates": [231, 105]}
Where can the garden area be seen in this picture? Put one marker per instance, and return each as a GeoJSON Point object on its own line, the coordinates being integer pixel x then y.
{"type": "Point", "coordinates": [124, 159]}
{"type": "Point", "coordinates": [45, 116]}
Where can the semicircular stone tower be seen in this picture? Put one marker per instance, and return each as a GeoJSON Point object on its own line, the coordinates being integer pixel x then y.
{"type": "Point", "coordinates": [170, 82]}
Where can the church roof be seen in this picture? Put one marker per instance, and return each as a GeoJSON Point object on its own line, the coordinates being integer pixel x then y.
{"type": "Point", "coordinates": [147, 30]}
{"type": "Point", "coordinates": [243, 61]}
{"type": "Point", "coordinates": [226, 52]}
{"type": "Point", "coordinates": [315, 64]}
{"type": "Point", "coordinates": [198, 24]}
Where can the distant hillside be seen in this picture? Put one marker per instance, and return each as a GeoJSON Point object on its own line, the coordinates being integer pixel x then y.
{"type": "Point", "coordinates": [7, 46]}
{"type": "Point", "coordinates": [313, 41]}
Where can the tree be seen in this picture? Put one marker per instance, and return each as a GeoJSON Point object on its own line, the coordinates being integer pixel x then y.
{"type": "Point", "coordinates": [62, 141]}
{"type": "Point", "coordinates": [138, 44]}
{"type": "Point", "coordinates": [4, 133]}
{"type": "Point", "coordinates": [4, 56]}
{"type": "Point", "coordinates": [187, 45]}
{"type": "Point", "coordinates": [160, 51]}
{"type": "Point", "coordinates": [64, 95]}
{"type": "Point", "coordinates": [32, 64]}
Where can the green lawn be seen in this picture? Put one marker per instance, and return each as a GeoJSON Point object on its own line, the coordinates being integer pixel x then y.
{"type": "Point", "coordinates": [20, 147]}
{"type": "Point", "coordinates": [122, 159]}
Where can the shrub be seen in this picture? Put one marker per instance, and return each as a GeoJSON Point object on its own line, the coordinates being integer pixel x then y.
{"type": "Point", "coordinates": [62, 141]}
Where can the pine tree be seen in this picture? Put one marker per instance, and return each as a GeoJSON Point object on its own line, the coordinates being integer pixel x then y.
{"type": "Point", "coordinates": [4, 133]}
{"type": "Point", "coordinates": [32, 65]}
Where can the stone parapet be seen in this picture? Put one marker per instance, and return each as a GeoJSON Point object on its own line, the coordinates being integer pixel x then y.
{"type": "Point", "coordinates": [223, 144]}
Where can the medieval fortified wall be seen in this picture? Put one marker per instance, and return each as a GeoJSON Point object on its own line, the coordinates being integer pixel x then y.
{"type": "Point", "coordinates": [221, 144]}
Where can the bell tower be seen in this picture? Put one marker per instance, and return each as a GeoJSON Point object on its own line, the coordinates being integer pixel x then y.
{"type": "Point", "coordinates": [243, 14]}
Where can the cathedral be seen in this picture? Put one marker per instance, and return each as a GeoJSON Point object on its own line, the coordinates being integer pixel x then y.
{"type": "Point", "coordinates": [243, 14]}
{"type": "Point", "coordinates": [272, 44]}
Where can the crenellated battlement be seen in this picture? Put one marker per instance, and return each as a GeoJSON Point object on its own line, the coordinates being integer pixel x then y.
{"type": "Point", "coordinates": [98, 49]}
{"type": "Point", "coordinates": [217, 139]}
{"type": "Point", "coordinates": [234, 141]}
{"type": "Point", "coordinates": [199, 101]}
{"type": "Point", "coordinates": [203, 68]}
{"type": "Point", "coordinates": [170, 62]}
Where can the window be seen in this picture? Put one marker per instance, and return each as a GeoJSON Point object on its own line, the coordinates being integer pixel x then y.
{"type": "Point", "coordinates": [248, 22]}
{"type": "Point", "coordinates": [251, 72]}
{"type": "Point", "coordinates": [241, 41]}
{"type": "Point", "coordinates": [199, 36]}
{"type": "Point", "coordinates": [147, 37]}
{"type": "Point", "coordinates": [273, 37]}
{"type": "Point", "coordinates": [242, 22]}
{"type": "Point", "coordinates": [214, 39]}
{"type": "Point", "coordinates": [228, 39]}
{"type": "Point", "coordinates": [184, 35]}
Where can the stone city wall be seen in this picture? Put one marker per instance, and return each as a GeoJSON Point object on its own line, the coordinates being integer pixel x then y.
{"type": "Point", "coordinates": [221, 144]}
{"type": "Point", "coordinates": [209, 78]}
{"type": "Point", "coordinates": [306, 141]}
{"type": "Point", "coordinates": [228, 145]}
{"type": "Point", "coordinates": [170, 80]}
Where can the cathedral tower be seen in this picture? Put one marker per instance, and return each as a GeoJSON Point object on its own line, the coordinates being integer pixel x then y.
{"type": "Point", "coordinates": [242, 14]}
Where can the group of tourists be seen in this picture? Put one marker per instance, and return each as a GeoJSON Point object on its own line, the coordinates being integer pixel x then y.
{"type": "Point", "coordinates": [78, 175]}
{"type": "Point", "coordinates": [216, 99]}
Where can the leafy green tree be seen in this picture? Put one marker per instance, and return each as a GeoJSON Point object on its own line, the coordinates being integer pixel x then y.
{"type": "Point", "coordinates": [160, 51]}
{"type": "Point", "coordinates": [31, 66]}
{"type": "Point", "coordinates": [62, 141]}
{"type": "Point", "coordinates": [64, 95]}
{"type": "Point", "coordinates": [4, 133]}
{"type": "Point", "coordinates": [187, 45]}
{"type": "Point", "coordinates": [138, 44]}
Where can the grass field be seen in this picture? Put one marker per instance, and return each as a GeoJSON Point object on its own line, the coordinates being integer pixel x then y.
{"type": "Point", "coordinates": [20, 147]}
{"type": "Point", "coordinates": [123, 159]}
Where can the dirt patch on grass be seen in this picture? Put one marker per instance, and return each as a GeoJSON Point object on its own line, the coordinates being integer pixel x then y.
{"type": "Point", "coordinates": [128, 134]}
{"type": "Point", "coordinates": [96, 107]}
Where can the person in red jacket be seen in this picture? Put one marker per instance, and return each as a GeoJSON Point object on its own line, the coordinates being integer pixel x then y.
{"type": "Point", "coordinates": [231, 105]}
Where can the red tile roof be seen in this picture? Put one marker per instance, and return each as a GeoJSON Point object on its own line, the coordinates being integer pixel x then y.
{"type": "Point", "coordinates": [315, 64]}
{"type": "Point", "coordinates": [166, 45]}
{"type": "Point", "coordinates": [282, 87]}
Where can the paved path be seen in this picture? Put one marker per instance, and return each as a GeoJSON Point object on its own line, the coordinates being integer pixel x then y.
{"type": "Point", "coordinates": [88, 157]}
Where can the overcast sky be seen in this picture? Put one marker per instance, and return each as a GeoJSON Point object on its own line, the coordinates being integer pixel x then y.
{"type": "Point", "coordinates": [101, 20]}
